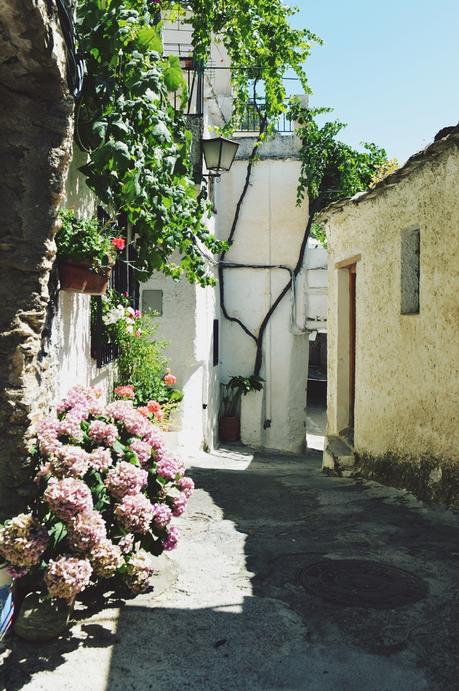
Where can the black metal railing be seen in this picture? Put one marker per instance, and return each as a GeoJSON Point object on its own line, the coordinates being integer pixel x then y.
{"type": "Point", "coordinates": [124, 281]}
{"type": "Point", "coordinates": [252, 116]}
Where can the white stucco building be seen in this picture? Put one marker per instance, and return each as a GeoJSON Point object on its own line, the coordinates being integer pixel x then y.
{"type": "Point", "coordinates": [205, 348]}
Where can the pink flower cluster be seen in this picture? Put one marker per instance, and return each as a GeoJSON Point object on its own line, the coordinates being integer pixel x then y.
{"type": "Point", "coordinates": [170, 542]}
{"type": "Point", "coordinates": [125, 479]}
{"type": "Point", "coordinates": [124, 391]}
{"type": "Point", "coordinates": [143, 451]}
{"type": "Point", "coordinates": [161, 515]}
{"type": "Point", "coordinates": [68, 497]}
{"type": "Point", "coordinates": [135, 513]}
{"type": "Point", "coordinates": [169, 379]}
{"type": "Point", "coordinates": [106, 559]}
{"type": "Point", "coordinates": [103, 432]}
{"type": "Point", "coordinates": [100, 459]}
{"type": "Point", "coordinates": [86, 530]}
{"type": "Point", "coordinates": [70, 447]}
{"type": "Point", "coordinates": [169, 468]}
{"type": "Point", "coordinates": [85, 400]}
{"type": "Point", "coordinates": [70, 461]}
{"type": "Point", "coordinates": [139, 571]}
{"type": "Point", "coordinates": [67, 576]}
{"type": "Point", "coordinates": [23, 540]}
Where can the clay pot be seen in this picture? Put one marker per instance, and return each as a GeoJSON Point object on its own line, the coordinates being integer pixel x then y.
{"type": "Point", "coordinates": [81, 278]}
{"type": "Point", "coordinates": [229, 428]}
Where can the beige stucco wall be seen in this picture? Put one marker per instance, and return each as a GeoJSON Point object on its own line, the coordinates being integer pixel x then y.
{"type": "Point", "coordinates": [407, 366]}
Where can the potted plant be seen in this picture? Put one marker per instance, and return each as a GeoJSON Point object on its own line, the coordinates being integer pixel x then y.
{"type": "Point", "coordinates": [86, 251]}
{"type": "Point", "coordinates": [229, 425]}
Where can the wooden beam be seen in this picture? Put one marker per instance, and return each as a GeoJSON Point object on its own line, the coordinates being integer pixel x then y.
{"type": "Point", "coordinates": [345, 263]}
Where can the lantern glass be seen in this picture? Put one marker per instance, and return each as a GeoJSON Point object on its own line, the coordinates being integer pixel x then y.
{"type": "Point", "coordinates": [219, 153]}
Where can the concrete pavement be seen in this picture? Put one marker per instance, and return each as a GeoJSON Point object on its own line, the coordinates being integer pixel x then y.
{"type": "Point", "coordinates": [233, 614]}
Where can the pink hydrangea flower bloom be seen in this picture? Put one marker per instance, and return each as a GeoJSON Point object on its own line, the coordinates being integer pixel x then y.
{"type": "Point", "coordinates": [48, 436]}
{"type": "Point", "coordinates": [67, 576]}
{"type": "Point", "coordinates": [106, 558]}
{"type": "Point", "coordinates": [126, 544]}
{"type": "Point", "coordinates": [125, 479]}
{"type": "Point", "coordinates": [167, 468]}
{"type": "Point", "coordinates": [23, 540]}
{"type": "Point", "coordinates": [143, 451]}
{"type": "Point", "coordinates": [100, 459]}
{"type": "Point", "coordinates": [139, 571]}
{"type": "Point", "coordinates": [70, 461]}
{"type": "Point", "coordinates": [85, 530]}
{"type": "Point", "coordinates": [186, 484]}
{"type": "Point", "coordinates": [135, 513]}
{"type": "Point", "coordinates": [171, 540]}
{"type": "Point", "coordinates": [68, 497]}
{"type": "Point", "coordinates": [161, 515]}
{"type": "Point", "coordinates": [179, 504]}
{"type": "Point", "coordinates": [103, 432]}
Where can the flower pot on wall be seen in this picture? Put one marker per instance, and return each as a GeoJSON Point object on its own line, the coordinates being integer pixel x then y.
{"type": "Point", "coordinates": [81, 278]}
{"type": "Point", "coordinates": [229, 428]}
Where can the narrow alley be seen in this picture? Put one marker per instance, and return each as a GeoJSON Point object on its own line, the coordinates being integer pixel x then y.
{"type": "Point", "coordinates": [245, 604]}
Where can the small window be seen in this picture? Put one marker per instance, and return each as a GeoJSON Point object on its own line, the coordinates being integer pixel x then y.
{"type": "Point", "coordinates": [410, 271]}
{"type": "Point", "coordinates": [152, 301]}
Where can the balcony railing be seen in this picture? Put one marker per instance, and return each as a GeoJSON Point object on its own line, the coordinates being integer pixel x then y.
{"type": "Point", "coordinates": [251, 118]}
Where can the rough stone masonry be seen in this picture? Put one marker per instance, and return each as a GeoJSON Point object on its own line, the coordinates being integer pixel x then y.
{"type": "Point", "coordinates": [35, 147]}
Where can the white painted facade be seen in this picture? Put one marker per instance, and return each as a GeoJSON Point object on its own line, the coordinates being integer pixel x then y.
{"type": "Point", "coordinates": [69, 348]}
{"type": "Point", "coordinates": [270, 231]}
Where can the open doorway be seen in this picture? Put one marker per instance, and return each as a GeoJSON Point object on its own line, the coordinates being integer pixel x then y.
{"type": "Point", "coordinates": [316, 403]}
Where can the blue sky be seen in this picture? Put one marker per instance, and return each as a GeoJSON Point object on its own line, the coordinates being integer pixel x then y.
{"type": "Point", "coordinates": [389, 69]}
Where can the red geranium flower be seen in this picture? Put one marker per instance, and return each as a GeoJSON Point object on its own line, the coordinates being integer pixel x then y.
{"type": "Point", "coordinates": [119, 243]}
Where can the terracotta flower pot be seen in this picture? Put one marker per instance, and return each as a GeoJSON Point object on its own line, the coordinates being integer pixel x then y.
{"type": "Point", "coordinates": [81, 278]}
{"type": "Point", "coordinates": [229, 428]}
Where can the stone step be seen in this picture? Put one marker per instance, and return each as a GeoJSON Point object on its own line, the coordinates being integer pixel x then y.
{"type": "Point", "coordinates": [338, 455]}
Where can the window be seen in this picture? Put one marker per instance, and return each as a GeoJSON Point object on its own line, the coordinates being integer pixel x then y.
{"type": "Point", "coordinates": [410, 271]}
{"type": "Point", "coordinates": [123, 281]}
{"type": "Point", "coordinates": [152, 301]}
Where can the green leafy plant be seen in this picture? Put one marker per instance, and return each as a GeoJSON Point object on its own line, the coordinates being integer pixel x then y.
{"type": "Point", "coordinates": [86, 240]}
{"type": "Point", "coordinates": [141, 362]}
{"type": "Point", "coordinates": [232, 392]}
{"type": "Point", "coordinates": [138, 144]}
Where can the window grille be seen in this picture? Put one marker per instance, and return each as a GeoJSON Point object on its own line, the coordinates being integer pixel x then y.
{"type": "Point", "coordinates": [123, 281]}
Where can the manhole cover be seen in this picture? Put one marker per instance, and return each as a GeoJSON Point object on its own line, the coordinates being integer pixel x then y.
{"type": "Point", "coordinates": [362, 583]}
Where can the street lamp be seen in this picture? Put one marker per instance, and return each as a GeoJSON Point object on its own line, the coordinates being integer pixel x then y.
{"type": "Point", "coordinates": [219, 154]}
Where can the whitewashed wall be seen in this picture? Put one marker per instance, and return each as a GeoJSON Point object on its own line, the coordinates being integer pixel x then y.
{"type": "Point", "coordinates": [270, 231]}
{"type": "Point", "coordinates": [70, 361]}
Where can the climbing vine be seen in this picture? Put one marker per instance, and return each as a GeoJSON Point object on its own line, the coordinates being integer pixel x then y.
{"type": "Point", "coordinates": [138, 144]}
{"type": "Point", "coordinates": [262, 47]}
{"type": "Point", "coordinates": [330, 170]}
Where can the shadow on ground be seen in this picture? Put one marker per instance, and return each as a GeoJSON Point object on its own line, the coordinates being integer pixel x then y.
{"type": "Point", "coordinates": [239, 617]}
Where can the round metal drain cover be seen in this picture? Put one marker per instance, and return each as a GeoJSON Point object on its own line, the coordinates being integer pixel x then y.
{"type": "Point", "coordinates": [362, 583]}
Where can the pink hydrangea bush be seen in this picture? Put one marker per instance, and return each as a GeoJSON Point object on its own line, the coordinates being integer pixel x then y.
{"type": "Point", "coordinates": [108, 491]}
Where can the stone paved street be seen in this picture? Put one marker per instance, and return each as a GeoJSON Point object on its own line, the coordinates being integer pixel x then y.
{"type": "Point", "coordinates": [234, 615]}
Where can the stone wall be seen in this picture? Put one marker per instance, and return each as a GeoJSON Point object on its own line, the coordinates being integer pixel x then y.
{"type": "Point", "coordinates": [36, 126]}
{"type": "Point", "coordinates": [407, 364]}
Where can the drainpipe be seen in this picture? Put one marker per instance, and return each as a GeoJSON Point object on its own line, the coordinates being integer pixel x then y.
{"type": "Point", "coordinates": [268, 346]}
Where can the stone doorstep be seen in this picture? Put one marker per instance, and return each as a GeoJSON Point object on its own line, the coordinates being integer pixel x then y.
{"type": "Point", "coordinates": [338, 456]}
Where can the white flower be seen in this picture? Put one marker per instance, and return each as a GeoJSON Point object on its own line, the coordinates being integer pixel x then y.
{"type": "Point", "coordinates": [151, 95]}
{"type": "Point", "coordinates": [162, 132]}
{"type": "Point", "coordinates": [129, 328]}
{"type": "Point", "coordinates": [170, 161]}
{"type": "Point", "coordinates": [113, 315]}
